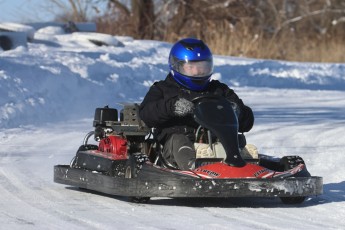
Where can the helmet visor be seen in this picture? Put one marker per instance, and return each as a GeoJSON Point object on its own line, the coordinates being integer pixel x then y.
{"type": "Point", "coordinates": [194, 68]}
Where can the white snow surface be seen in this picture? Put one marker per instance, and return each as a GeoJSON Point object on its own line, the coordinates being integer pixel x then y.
{"type": "Point", "coordinates": [50, 88]}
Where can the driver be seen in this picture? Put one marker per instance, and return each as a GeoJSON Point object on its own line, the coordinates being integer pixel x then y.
{"type": "Point", "coordinates": [167, 106]}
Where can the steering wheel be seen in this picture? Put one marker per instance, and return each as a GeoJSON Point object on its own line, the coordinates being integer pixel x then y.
{"type": "Point", "coordinates": [206, 96]}
{"type": "Point", "coordinates": [200, 99]}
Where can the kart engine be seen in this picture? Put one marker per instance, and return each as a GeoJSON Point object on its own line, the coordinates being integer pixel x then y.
{"type": "Point", "coordinates": [109, 141]}
{"type": "Point", "coordinates": [114, 144]}
{"type": "Point", "coordinates": [119, 137]}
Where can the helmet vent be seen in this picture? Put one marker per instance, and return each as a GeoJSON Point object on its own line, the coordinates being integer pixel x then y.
{"type": "Point", "coordinates": [192, 46]}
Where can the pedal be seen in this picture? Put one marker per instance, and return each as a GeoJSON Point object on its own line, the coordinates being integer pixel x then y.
{"type": "Point", "coordinates": [204, 151]}
{"type": "Point", "coordinates": [250, 152]}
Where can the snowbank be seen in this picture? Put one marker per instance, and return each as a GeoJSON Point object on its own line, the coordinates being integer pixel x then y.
{"type": "Point", "coordinates": [62, 76]}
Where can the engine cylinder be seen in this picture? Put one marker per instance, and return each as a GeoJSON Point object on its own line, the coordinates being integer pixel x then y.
{"type": "Point", "coordinates": [114, 144]}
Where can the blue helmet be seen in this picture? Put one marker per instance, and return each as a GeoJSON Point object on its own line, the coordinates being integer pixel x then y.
{"type": "Point", "coordinates": [191, 64]}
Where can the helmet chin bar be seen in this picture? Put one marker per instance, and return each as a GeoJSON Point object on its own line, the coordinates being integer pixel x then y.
{"type": "Point", "coordinates": [191, 83]}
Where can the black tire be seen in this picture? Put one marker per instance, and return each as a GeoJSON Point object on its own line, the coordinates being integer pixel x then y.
{"type": "Point", "coordinates": [139, 200]}
{"type": "Point", "coordinates": [73, 163]}
{"type": "Point", "coordinates": [289, 162]}
{"type": "Point", "coordinates": [5, 43]}
{"type": "Point", "coordinates": [133, 167]}
{"type": "Point", "coordinates": [293, 200]}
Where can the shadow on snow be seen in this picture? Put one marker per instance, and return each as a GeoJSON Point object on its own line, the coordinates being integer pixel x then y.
{"type": "Point", "coordinates": [334, 192]}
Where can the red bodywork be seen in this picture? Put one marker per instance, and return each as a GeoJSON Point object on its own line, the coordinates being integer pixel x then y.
{"type": "Point", "coordinates": [222, 170]}
{"type": "Point", "coordinates": [115, 148]}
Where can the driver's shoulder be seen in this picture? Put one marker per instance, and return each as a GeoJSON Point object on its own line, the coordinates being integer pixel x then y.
{"type": "Point", "coordinates": [217, 83]}
{"type": "Point", "coordinates": [218, 87]}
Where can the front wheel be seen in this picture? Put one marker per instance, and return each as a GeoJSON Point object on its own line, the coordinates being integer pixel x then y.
{"type": "Point", "coordinates": [287, 163]}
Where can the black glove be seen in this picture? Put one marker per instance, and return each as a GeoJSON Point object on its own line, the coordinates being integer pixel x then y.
{"type": "Point", "coordinates": [183, 107]}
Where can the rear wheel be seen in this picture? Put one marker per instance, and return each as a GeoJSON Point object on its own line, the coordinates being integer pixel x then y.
{"type": "Point", "coordinates": [293, 200]}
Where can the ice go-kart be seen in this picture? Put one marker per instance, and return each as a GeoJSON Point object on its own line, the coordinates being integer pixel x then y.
{"type": "Point", "coordinates": [128, 162]}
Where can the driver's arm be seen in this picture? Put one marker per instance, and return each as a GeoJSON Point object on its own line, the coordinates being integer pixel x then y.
{"type": "Point", "coordinates": [156, 109]}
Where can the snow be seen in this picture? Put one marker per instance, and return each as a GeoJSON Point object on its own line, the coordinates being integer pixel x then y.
{"type": "Point", "coordinates": [50, 87]}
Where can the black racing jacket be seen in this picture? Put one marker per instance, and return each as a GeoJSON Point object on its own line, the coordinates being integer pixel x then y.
{"type": "Point", "coordinates": [157, 108]}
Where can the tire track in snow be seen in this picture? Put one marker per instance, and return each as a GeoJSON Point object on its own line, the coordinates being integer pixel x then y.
{"type": "Point", "coordinates": [37, 205]}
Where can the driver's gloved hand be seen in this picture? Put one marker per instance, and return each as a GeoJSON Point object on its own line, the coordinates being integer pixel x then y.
{"type": "Point", "coordinates": [183, 107]}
